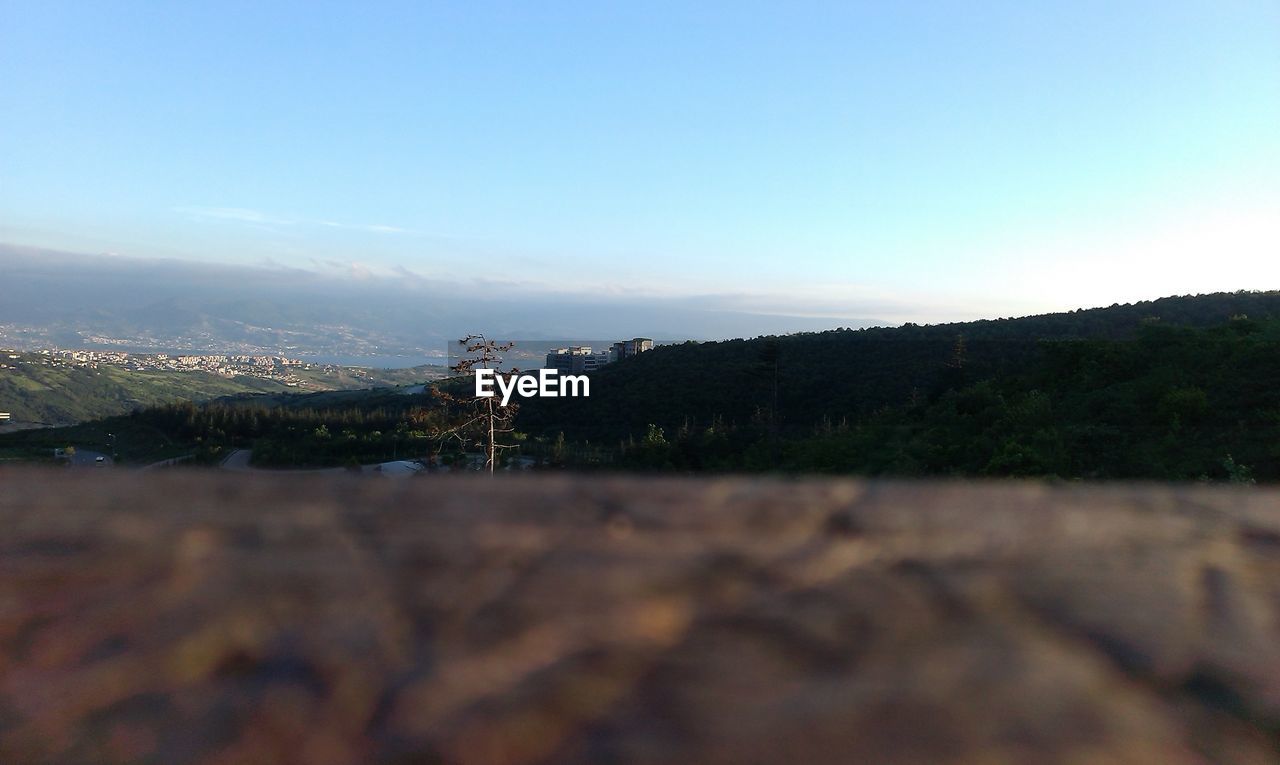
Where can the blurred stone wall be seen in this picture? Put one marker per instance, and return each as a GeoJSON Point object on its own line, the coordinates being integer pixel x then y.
{"type": "Point", "coordinates": [202, 617]}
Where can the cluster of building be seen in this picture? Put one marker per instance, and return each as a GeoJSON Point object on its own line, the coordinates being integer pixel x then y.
{"type": "Point", "coordinates": [276, 368]}
{"type": "Point", "coordinates": [239, 363]}
{"type": "Point", "coordinates": [581, 359]}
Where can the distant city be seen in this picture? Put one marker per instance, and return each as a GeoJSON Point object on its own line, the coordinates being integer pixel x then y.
{"type": "Point", "coordinates": [277, 369]}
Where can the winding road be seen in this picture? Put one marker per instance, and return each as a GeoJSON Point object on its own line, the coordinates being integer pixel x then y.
{"type": "Point", "coordinates": [88, 458]}
{"type": "Point", "coordinates": [238, 462]}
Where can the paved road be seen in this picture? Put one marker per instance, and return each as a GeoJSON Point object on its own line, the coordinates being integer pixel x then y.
{"type": "Point", "coordinates": [238, 461]}
{"type": "Point", "coordinates": [166, 463]}
{"type": "Point", "coordinates": [90, 458]}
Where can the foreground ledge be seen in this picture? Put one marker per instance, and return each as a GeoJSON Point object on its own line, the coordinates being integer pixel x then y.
{"type": "Point", "coordinates": [203, 617]}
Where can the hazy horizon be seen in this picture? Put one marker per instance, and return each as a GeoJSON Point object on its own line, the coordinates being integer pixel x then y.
{"type": "Point", "coordinates": [58, 298]}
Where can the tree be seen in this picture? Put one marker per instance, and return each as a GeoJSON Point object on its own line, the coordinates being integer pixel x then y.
{"type": "Point", "coordinates": [557, 450]}
{"type": "Point", "coordinates": [486, 420]}
{"type": "Point", "coordinates": [769, 353]}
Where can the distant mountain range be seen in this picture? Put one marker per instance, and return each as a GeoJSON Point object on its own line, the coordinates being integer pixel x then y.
{"type": "Point", "coordinates": [60, 299]}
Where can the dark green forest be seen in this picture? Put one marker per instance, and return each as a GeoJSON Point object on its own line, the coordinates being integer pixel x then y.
{"type": "Point", "coordinates": [1178, 388]}
{"type": "Point", "coordinates": [1173, 403]}
{"type": "Point", "coordinates": [361, 431]}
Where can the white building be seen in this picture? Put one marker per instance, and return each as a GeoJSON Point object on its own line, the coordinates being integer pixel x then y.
{"type": "Point", "coordinates": [629, 348]}
{"type": "Point", "coordinates": [576, 360]}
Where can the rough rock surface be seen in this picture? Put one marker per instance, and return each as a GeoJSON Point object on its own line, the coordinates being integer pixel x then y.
{"type": "Point", "coordinates": [208, 618]}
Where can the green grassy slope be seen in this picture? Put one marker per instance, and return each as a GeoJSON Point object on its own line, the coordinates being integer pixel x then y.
{"type": "Point", "coordinates": [58, 395]}
{"type": "Point", "coordinates": [33, 390]}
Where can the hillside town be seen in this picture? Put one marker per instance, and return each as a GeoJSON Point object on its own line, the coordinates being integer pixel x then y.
{"type": "Point", "coordinates": [274, 368]}
{"type": "Point", "coordinates": [228, 337]}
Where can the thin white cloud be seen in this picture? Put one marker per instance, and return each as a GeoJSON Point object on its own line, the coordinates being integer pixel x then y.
{"type": "Point", "coordinates": [241, 214]}
{"type": "Point", "coordinates": [376, 228]}
{"type": "Point", "coordinates": [258, 217]}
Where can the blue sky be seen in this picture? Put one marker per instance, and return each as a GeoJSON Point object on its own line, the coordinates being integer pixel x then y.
{"type": "Point", "coordinates": [956, 159]}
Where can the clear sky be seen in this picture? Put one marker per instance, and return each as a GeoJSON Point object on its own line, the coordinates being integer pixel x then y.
{"type": "Point", "coordinates": [960, 158]}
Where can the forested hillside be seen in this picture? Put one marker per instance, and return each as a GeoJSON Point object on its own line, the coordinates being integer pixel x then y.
{"type": "Point", "coordinates": [1174, 403]}
{"type": "Point", "coordinates": [1180, 388]}
{"type": "Point", "coordinates": [796, 382]}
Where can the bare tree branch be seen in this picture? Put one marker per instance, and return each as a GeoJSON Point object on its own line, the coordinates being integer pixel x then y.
{"type": "Point", "coordinates": [489, 418]}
